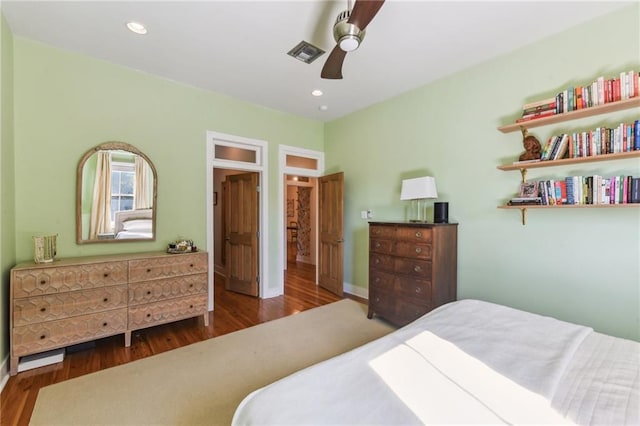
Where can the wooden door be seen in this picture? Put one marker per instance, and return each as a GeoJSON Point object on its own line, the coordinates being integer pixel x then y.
{"type": "Point", "coordinates": [241, 233]}
{"type": "Point", "coordinates": [331, 232]}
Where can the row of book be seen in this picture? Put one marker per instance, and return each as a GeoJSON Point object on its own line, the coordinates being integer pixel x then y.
{"type": "Point", "coordinates": [601, 91]}
{"type": "Point", "coordinates": [581, 190]}
{"type": "Point", "coordinates": [601, 140]}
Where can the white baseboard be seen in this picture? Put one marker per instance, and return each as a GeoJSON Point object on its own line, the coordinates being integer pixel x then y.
{"type": "Point", "coordinates": [356, 290]}
{"type": "Point", "coordinates": [4, 372]}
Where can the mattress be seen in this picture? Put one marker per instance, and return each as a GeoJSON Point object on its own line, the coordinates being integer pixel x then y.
{"type": "Point", "coordinates": [467, 362]}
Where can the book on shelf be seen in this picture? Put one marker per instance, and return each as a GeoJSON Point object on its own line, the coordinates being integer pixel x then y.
{"type": "Point", "coordinates": [594, 190]}
{"type": "Point", "coordinates": [525, 201]}
{"type": "Point", "coordinates": [600, 91]}
{"type": "Point", "coordinates": [536, 115]}
{"type": "Point", "coordinates": [537, 160]}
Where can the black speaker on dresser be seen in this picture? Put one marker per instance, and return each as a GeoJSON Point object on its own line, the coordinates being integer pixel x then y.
{"type": "Point", "coordinates": [441, 213]}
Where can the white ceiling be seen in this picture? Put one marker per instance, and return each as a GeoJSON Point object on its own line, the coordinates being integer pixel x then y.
{"type": "Point", "coordinates": [239, 47]}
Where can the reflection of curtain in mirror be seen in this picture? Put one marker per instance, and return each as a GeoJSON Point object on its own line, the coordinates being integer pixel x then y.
{"type": "Point", "coordinates": [143, 197]}
{"type": "Point", "coordinates": [101, 206]}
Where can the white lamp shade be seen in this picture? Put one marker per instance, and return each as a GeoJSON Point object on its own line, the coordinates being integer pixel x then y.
{"type": "Point", "coordinates": [419, 188]}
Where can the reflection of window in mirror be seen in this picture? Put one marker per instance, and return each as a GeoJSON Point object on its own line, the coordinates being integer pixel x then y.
{"type": "Point", "coordinates": [123, 178]}
{"type": "Point", "coordinates": [122, 184]}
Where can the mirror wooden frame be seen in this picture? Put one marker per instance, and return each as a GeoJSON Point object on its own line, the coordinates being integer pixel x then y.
{"type": "Point", "coordinates": [113, 146]}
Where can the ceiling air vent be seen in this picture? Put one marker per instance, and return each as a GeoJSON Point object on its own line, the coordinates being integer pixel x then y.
{"type": "Point", "coordinates": [305, 52]}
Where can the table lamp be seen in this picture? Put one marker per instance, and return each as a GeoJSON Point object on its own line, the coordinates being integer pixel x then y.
{"type": "Point", "coordinates": [418, 190]}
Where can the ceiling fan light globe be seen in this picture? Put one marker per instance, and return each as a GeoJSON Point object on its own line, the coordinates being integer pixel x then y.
{"type": "Point", "coordinates": [349, 43]}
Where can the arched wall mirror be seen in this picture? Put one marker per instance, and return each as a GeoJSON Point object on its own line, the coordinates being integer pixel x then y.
{"type": "Point", "coordinates": [115, 195]}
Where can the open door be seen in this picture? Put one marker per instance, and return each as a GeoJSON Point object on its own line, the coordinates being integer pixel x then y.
{"type": "Point", "coordinates": [331, 232]}
{"type": "Point", "coordinates": [241, 233]}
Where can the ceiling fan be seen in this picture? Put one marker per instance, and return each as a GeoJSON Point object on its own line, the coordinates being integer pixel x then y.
{"type": "Point", "coordinates": [348, 31]}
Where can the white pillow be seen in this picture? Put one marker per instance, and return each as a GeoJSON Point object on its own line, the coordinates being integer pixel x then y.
{"type": "Point", "coordinates": [137, 225]}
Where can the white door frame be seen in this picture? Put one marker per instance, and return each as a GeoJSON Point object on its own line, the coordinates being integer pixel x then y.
{"type": "Point", "coordinates": [260, 166]}
{"type": "Point", "coordinates": [283, 170]}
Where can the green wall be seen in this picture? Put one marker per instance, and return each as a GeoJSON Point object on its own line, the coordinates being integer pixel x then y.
{"type": "Point", "coordinates": [67, 103]}
{"type": "Point", "coordinates": [579, 265]}
{"type": "Point", "coordinates": [7, 190]}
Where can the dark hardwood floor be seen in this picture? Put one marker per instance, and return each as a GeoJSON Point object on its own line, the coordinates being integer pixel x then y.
{"type": "Point", "coordinates": [232, 312]}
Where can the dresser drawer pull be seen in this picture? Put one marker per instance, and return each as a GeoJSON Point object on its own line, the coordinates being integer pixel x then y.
{"type": "Point", "coordinates": [377, 260]}
{"type": "Point", "coordinates": [148, 315]}
{"type": "Point", "coordinates": [104, 324]}
{"type": "Point", "coordinates": [42, 337]}
{"type": "Point", "coordinates": [418, 290]}
{"type": "Point", "coordinates": [43, 309]}
{"type": "Point", "coordinates": [190, 285]}
{"type": "Point", "coordinates": [191, 265]}
{"type": "Point", "coordinates": [190, 306]}
{"type": "Point", "coordinates": [148, 269]}
{"type": "Point", "coordinates": [377, 245]}
{"type": "Point", "coordinates": [43, 282]}
{"type": "Point", "coordinates": [377, 280]}
{"type": "Point", "coordinates": [106, 274]}
{"type": "Point", "coordinates": [106, 299]}
{"type": "Point", "coordinates": [418, 250]}
{"type": "Point", "coordinates": [148, 291]}
{"type": "Point", "coordinates": [417, 268]}
{"type": "Point", "coordinates": [418, 234]}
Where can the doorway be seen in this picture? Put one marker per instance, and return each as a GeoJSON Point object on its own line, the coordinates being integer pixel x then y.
{"type": "Point", "coordinates": [230, 155]}
{"type": "Point", "coordinates": [301, 220]}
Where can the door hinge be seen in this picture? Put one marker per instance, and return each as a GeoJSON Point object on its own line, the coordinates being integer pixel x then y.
{"type": "Point", "coordinates": [258, 188]}
{"type": "Point", "coordinates": [258, 279]}
{"type": "Point", "coordinates": [258, 235]}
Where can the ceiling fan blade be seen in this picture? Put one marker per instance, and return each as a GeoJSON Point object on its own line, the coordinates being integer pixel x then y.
{"type": "Point", "coordinates": [364, 11]}
{"type": "Point", "coordinates": [333, 67]}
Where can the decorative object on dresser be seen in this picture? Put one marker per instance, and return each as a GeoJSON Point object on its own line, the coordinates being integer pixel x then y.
{"type": "Point", "coordinates": [76, 300]}
{"type": "Point", "coordinates": [44, 248]}
{"type": "Point", "coordinates": [598, 144]}
{"type": "Point", "coordinates": [412, 269]}
{"type": "Point", "coordinates": [441, 212]}
{"type": "Point", "coordinates": [418, 190]}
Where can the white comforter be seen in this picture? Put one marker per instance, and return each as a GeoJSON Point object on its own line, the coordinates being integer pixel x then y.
{"type": "Point", "coordinates": [465, 362]}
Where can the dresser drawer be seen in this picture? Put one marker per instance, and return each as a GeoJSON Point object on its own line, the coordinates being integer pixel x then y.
{"type": "Point", "coordinates": [401, 285]}
{"type": "Point", "coordinates": [416, 267]}
{"type": "Point", "coordinates": [382, 231]}
{"type": "Point", "coordinates": [168, 288]}
{"type": "Point", "coordinates": [50, 307]}
{"type": "Point", "coordinates": [39, 281]}
{"type": "Point", "coordinates": [43, 336]}
{"type": "Point", "coordinates": [381, 262]}
{"type": "Point", "coordinates": [414, 234]}
{"type": "Point", "coordinates": [397, 309]}
{"type": "Point", "coordinates": [165, 311]}
{"type": "Point", "coordinates": [378, 245]}
{"type": "Point", "coordinates": [412, 249]}
{"type": "Point", "coordinates": [381, 280]}
{"type": "Point", "coordinates": [167, 266]}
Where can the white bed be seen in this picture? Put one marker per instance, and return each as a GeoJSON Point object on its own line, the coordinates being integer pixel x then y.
{"type": "Point", "coordinates": [467, 362]}
{"type": "Point", "coordinates": [133, 224]}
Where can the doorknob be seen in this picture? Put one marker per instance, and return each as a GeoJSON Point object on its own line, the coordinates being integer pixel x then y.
{"type": "Point", "coordinates": [340, 240]}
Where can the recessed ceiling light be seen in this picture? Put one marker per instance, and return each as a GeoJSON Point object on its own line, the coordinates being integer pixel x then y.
{"type": "Point", "coordinates": [317, 92]}
{"type": "Point", "coordinates": [323, 107]}
{"type": "Point", "coordinates": [137, 27]}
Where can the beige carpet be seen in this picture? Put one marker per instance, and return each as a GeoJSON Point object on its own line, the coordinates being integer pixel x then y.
{"type": "Point", "coordinates": [204, 382]}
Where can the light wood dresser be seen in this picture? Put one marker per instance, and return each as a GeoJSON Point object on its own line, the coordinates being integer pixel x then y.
{"type": "Point", "coordinates": [76, 300]}
{"type": "Point", "coordinates": [412, 269]}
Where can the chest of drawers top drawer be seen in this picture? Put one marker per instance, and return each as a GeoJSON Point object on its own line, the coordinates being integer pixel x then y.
{"type": "Point", "coordinates": [399, 232]}
{"type": "Point", "coordinates": [26, 282]}
{"type": "Point", "coordinates": [167, 266]}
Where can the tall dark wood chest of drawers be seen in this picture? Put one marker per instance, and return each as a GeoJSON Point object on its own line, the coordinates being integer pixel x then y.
{"type": "Point", "coordinates": [412, 269]}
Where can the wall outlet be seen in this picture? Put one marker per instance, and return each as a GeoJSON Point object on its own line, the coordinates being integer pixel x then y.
{"type": "Point", "coordinates": [364, 214]}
